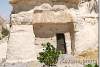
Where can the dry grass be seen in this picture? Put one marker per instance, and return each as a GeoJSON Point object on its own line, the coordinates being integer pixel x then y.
{"type": "Point", "coordinates": [89, 54]}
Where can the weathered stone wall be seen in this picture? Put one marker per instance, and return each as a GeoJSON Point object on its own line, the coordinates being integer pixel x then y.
{"type": "Point", "coordinates": [86, 25]}
{"type": "Point", "coordinates": [22, 18]}
{"type": "Point", "coordinates": [25, 40]}
{"type": "Point", "coordinates": [87, 35]}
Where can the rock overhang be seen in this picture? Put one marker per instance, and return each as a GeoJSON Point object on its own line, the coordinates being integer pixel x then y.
{"type": "Point", "coordinates": [44, 13]}
{"type": "Point", "coordinates": [49, 14]}
{"type": "Point", "coordinates": [26, 5]}
{"type": "Point", "coordinates": [52, 17]}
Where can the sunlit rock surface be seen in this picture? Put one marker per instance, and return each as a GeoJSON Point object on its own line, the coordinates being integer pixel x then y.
{"type": "Point", "coordinates": [21, 49]}
{"type": "Point", "coordinates": [22, 18]}
{"type": "Point", "coordinates": [21, 46]}
{"type": "Point", "coordinates": [3, 41]}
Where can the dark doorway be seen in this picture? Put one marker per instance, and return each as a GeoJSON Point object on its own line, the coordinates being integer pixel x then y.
{"type": "Point", "coordinates": [61, 45]}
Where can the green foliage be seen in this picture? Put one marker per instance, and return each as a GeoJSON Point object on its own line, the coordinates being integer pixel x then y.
{"type": "Point", "coordinates": [91, 65]}
{"type": "Point", "coordinates": [4, 32]}
{"type": "Point", "coordinates": [50, 55]}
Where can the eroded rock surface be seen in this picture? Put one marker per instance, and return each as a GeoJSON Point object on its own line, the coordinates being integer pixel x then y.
{"type": "Point", "coordinates": [21, 46]}
{"type": "Point", "coordinates": [26, 5]}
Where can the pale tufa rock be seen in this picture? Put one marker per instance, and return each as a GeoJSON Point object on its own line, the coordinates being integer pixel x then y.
{"type": "Point", "coordinates": [44, 6]}
{"type": "Point", "coordinates": [59, 7]}
{"type": "Point", "coordinates": [22, 17]}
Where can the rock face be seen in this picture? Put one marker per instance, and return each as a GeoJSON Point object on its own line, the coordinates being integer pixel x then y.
{"type": "Point", "coordinates": [26, 5]}
{"type": "Point", "coordinates": [3, 42]}
{"type": "Point", "coordinates": [87, 32]}
{"type": "Point", "coordinates": [20, 18]}
{"type": "Point", "coordinates": [87, 7]}
{"type": "Point", "coordinates": [21, 42]}
{"type": "Point", "coordinates": [28, 33]}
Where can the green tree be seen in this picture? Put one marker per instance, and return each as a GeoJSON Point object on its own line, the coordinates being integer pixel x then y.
{"type": "Point", "coordinates": [50, 55]}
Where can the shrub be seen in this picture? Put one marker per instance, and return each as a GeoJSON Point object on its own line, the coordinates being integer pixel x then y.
{"type": "Point", "coordinates": [91, 65]}
{"type": "Point", "coordinates": [4, 32]}
{"type": "Point", "coordinates": [50, 55]}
